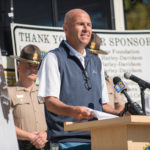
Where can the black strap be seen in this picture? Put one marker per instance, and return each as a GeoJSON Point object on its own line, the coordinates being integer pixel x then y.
{"type": "Point", "coordinates": [78, 62]}
{"type": "Point", "coordinates": [85, 73]}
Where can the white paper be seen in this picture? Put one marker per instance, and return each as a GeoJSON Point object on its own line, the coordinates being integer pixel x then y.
{"type": "Point", "coordinates": [102, 115]}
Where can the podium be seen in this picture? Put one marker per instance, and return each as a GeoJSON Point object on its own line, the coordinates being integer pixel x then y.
{"type": "Point", "coordinates": [122, 133]}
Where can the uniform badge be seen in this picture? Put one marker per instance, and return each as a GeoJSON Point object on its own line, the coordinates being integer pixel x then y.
{"type": "Point", "coordinates": [92, 46]}
{"type": "Point", "coordinates": [35, 56]}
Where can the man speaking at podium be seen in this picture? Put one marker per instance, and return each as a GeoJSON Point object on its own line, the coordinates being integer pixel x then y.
{"type": "Point", "coordinates": [72, 79]}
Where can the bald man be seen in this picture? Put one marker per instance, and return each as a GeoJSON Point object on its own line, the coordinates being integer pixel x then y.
{"type": "Point", "coordinates": [71, 80]}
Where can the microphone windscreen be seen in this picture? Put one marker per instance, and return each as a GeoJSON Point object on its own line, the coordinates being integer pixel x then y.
{"type": "Point", "coordinates": [127, 75]}
{"type": "Point", "coordinates": [116, 80]}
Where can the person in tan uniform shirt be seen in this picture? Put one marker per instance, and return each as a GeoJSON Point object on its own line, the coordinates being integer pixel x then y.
{"type": "Point", "coordinates": [116, 100]}
{"type": "Point", "coordinates": [28, 110]}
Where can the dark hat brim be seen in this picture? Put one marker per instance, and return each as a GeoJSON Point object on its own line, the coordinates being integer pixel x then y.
{"type": "Point", "coordinates": [26, 60]}
{"type": "Point", "coordinates": [98, 51]}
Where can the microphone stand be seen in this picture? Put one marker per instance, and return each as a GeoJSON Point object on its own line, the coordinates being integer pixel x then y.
{"type": "Point", "coordinates": [143, 98]}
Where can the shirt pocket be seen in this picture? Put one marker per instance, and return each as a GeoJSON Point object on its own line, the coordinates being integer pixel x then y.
{"type": "Point", "coordinates": [20, 101]}
{"type": "Point", "coordinates": [20, 106]}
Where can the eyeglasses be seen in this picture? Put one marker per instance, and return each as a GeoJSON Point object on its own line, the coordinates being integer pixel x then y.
{"type": "Point", "coordinates": [88, 85]}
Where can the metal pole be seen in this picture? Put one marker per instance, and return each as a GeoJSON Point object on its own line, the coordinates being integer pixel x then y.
{"type": "Point", "coordinates": [55, 13]}
{"type": "Point", "coordinates": [11, 13]}
{"type": "Point", "coordinates": [112, 14]}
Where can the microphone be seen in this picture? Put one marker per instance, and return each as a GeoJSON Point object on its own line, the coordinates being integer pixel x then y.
{"type": "Point", "coordinates": [133, 107]}
{"type": "Point", "coordinates": [139, 81]}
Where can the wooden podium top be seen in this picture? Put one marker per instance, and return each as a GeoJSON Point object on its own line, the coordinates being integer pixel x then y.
{"type": "Point", "coordinates": [87, 126]}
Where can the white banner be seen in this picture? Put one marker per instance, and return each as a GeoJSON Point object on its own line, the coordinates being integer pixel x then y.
{"type": "Point", "coordinates": [129, 51]}
{"type": "Point", "coordinates": [46, 38]}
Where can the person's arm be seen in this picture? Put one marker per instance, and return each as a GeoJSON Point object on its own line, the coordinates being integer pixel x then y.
{"type": "Point", "coordinates": [120, 108]}
{"type": "Point", "coordinates": [24, 135]}
{"type": "Point", "coordinates": [54, 105]}
{"type": "Point", "coordinates": [107, 108]}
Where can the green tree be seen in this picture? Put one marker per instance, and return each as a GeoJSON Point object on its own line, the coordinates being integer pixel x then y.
{"type": "Point", "coordinates": [137, 15]}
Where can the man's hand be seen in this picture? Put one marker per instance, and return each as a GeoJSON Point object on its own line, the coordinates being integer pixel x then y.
{"type": "Point", "coordinates": [32, 136]}
{"type": "Point", "coordinates": [56, 106]}
{"type": "Point", "coordinates": [82, 113]}
{"type": "Point", "coordinates": [40, 140]}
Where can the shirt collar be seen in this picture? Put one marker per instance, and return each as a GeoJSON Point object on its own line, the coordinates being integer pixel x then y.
{"type": "Point", "coordinates": [75, 52]}
{"type": "Point", "coordinates": [20, 87]}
